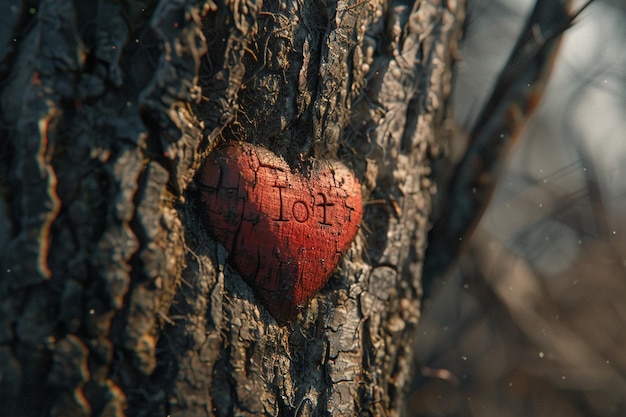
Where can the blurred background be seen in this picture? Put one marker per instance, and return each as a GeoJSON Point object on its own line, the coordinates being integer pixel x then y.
{"type": "Point", "coordinates": [531, 321]}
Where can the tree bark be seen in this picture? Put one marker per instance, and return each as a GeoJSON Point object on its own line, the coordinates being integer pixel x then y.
{"type": "Point", "coordinates": [114, 299]}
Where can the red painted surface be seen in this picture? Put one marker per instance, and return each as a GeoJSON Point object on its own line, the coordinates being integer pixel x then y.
{"type": "Point", "coordinates": [285, 231]}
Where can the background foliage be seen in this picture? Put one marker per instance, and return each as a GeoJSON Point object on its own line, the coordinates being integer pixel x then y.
{"type": "Point", "coordinates": [531, 320]}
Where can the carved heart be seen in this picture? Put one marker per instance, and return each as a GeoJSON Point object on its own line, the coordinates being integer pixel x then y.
{"type": "Point", "coordinates": [285, 230]}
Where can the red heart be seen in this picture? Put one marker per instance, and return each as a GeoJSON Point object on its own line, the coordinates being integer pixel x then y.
{"type": "Point", "coordinates": [285, 230]}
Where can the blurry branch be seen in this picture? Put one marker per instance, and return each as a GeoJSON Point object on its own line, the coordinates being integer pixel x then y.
{"type": "Point", "coordinates": [558, 314]}
{"type": "Point", "coordinates": [554, 337]}
{"type": "Point", "coordinates": [517, 92]}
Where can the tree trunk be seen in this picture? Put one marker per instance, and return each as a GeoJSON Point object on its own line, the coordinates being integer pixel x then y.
{"type": "Point", "coordinates": [114, 298]}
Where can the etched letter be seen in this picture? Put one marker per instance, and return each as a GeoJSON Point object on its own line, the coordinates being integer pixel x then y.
{"type": "Point", "coordinates": [324, 204]}
{"type": "Point", "coordinates": [281, 216]}
{"type": "Point", "coordinates": [301, 214]}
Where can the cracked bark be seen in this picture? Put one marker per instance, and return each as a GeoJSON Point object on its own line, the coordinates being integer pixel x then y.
{"type": "Point", "coordinates": [114, 300]}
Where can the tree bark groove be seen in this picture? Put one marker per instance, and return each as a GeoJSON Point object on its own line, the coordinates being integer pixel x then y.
{"type": "Point", "coordinates": [114, 300]}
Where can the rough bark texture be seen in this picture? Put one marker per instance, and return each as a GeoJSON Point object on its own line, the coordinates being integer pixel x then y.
{"type": "Point", "coordinates": [114, 300]}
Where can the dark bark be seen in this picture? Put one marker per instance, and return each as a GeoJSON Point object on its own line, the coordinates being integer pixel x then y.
{"type": "Point", "coordinates": [114, 300]}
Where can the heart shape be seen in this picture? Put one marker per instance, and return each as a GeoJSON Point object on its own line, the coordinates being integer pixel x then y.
{"type": "Point", "coordinates": [285, 230]}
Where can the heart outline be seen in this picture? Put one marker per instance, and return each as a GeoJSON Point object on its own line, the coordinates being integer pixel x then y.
{"type": "Point", "coordinates": [285, 229]}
